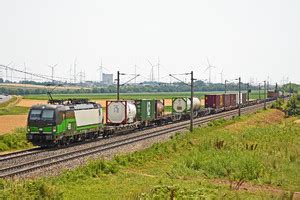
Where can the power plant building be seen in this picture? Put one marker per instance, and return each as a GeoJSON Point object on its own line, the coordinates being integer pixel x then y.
{"type": "Point", "coordinates": [107, 79]}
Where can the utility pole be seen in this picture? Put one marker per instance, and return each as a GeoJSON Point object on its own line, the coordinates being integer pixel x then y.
{"type": "Point", "coordinates": [75, 71]}
{"type": "Point", "coordinates": [6, 74]}
{"type": "Point", "coordinates": [265, 94]}
{"type": "Point", "coordinates": [239, 96]}
{"type": "Point", "coordinates": [101, 72]}
{"type": "Point", "coordinates": [25, 72]}
{"type": "Point", "coordinates": [192, 96]}
{"type": "Point", "coordinates": [225, 86]}
{"type": "Point", "coordinates": [11, 75]}
{"type": "Point", "coordinates": [259, 91]}
{"type": "Point", "coordinates": [290, 88]}
{"type": "Point", "coordinates": [135, 73]}
{"type": "Point", "coordinates": [70, 73]}
{"type": "Point", "coordinates": [118, 85]}
{"type": "Point", "coordinates": [158, 63]}
{"type": "Point", "coordinates": [152, 74]}
{"type": "Point", "coordinates": [248, 93]}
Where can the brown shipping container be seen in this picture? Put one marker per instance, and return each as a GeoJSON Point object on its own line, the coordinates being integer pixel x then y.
{"type": "Point", "coordinates": [272, 94]}
{"type": "Point", "coordinates": [214, 101]}
{"type": "Point", "coordinates": [226, 100]}
{"type": "Point", "coordinates": [233, 100]}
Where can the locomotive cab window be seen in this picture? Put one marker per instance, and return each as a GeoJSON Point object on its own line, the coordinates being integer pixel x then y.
{"type": "Point", "coordinates": [48, 114]}
{"type": "Point", "coordinates": [41, 115]}
{"type": "Point", "coordinates": [35, 114]}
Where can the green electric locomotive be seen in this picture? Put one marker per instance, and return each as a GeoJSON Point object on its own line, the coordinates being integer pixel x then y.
{"type": "Point", "coordinates": [63, 121]}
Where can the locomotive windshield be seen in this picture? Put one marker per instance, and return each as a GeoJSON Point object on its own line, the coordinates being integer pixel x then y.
{"type": "Point", "coordinates": [41, 114]}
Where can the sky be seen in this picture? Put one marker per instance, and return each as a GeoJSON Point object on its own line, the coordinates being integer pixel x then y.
{"type": "Point", "coordinates": [255, 39]}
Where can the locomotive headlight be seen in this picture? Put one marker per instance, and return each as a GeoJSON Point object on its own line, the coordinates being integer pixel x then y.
{"type": "Point", "coordinates": [28, 129]}
{"type": "Point", "coordinates": [54, 129]}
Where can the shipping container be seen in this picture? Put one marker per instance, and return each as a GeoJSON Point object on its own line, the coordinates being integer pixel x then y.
{"type": "Point", "coordinates": [272, 94]}
{"type": "Point", "coordinates": [145, 109]}
{"type": "Point", "coordinates": [233, 101]}
{"type": "Point", "coordinates": [227, 102]}
{"type": "Point", "coordinates": [120, 112]}
{"type": "Point", "coordinates": [159, 108]}
{"type": "Point", "coordinates": [183, 104]}
{"type": "Point", "coordinates": [244, 98]}
{"type": "Point", "coordinates": [214, 101]}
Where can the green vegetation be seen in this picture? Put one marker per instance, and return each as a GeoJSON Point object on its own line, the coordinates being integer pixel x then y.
{"type": "Point", "coordinates": [291, 107]}
{"type": "Point", "coordinates": [259, 152]}
{"type": "Point", "coordinates": [15, 110]}
{"type": "Point", "coordinates": [294, 87]}
{"type": "Point", "coordinates": [10, 108]}
{"type": "Point", "coordinates": [15, 140]}
{"type": "Point", "coordinates": [159, 95]}
{"type": "Point", "coordinates": [139, 88]}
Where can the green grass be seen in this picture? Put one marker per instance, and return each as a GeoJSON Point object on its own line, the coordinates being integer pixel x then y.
{"type": "Point", "coordinates": [9, 108]}
{"type": "Point", "coordinates": [253, 95]}
{"type": "Point", "coordinates": [14, 141]}
{"type": "Point", "coordinates": [15, 110]}
{"type": "Point", "coordinates": [186, 167]}
{"type": "Point", "coordinates": [7, 103]}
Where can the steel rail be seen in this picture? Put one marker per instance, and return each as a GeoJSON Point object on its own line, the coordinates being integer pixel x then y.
{"type": "Point", "coordinates": [56, 159]}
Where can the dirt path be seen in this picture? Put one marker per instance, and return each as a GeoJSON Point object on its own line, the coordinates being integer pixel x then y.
{"type": "Point", "coordinates": [30, 102]}
{"type": "Point", "coordinates": [10, 122]}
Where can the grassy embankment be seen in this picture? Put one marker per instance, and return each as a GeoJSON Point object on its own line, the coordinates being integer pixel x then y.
{"type": "Point", "coordinates": [16, 139]}
{"type": "Point", "coordinates": [10, 108]}
{"type": "Point", "coordinates": [163, 95]}
{"type": "Point", "coordinates": [259, 154]}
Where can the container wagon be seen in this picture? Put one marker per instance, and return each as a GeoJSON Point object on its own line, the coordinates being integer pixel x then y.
{"type": "Point", "coordinates": [182, 106]}
{"type": "Point", "coordinates": [214, 102]}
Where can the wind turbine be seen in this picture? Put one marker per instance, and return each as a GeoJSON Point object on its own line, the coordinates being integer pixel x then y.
{"type": "Point", "coordinates": [152, 71]}
{"type": "Point", "coordinates": [52, 71]}
{"type": "Point", "coordinates": [209, 69]}
{"type": "Point", "coordinates": [221, 74]}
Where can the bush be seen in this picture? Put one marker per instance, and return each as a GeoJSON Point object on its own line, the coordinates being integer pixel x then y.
{"type": "Point", "coordinates": [15, 140]}
{"type": "Point", "coordinates": [293, 106]}
{"type": "Point", "coordinates": [278, 104]}
{"type": "Point", "coordinates": [29, 190]}
{"type": "Point", "coordinates": [177, 192]}
{"type": "Point", "coordinates": [235, 165]}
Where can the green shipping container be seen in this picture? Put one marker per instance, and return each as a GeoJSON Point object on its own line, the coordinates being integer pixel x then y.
{"type": "Point", "coordinates": [145, 109]}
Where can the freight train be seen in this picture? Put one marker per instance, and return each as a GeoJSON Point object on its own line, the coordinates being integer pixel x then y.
{"type": "Point", "coordinates": [61, 122]}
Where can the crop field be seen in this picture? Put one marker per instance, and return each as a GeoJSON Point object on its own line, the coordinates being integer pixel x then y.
{"type": "Point", "coordinates": [252, 157]}
{"type": "Point", "coordinates": [109, 96]}
{"type": "Point", "coordinates": [11, 107]}
{"type": "Point", "coordinates": [31, 86]}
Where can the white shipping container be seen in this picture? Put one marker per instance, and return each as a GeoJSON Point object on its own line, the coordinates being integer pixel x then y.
{"type": "Point", "coordinates": [118, 113]}
{"type": "Point", "coordinates": [184, 104]}
{"type": "Point", "coordinates": [237, 98]}
{"type": "Point", "coordinates": [88, 117]}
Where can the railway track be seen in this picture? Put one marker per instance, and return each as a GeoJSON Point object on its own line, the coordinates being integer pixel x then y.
{"type": "Point", "coordinates": [19, 154]}
{"type": "Point", "coordinates": [32, 165]}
